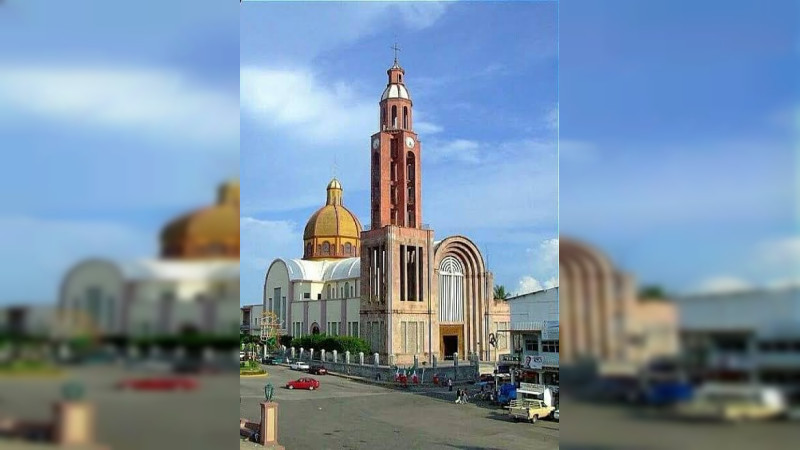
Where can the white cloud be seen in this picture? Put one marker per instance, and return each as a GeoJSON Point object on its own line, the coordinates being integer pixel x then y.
{"type": "Point", "coordinates": [296, 102]}
{"type": "Point", "coordinates": [427, 128]}
{"type": "Point", "coordinates": [528, 284]}
{"type": "Point", "coordinates": [157, 102]}
{"type": "Point", "coordinates": [461, 150]}
{"type": "Point", "coordinates": [38, 252]}
{"type": "Point", "coordinates": [572, 151]}
{"type": "Point", "coordinates": [722, 284]}
{"type": "Point", "coordinates": [515, 185]}
{"type": "Point", "coordinates": [264, 240]}
{"type": "Point", "coordinates": [781, 252]}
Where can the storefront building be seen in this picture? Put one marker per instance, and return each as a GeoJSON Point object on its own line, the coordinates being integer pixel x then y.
{"type": "Point", "coordinates": [534, 336]}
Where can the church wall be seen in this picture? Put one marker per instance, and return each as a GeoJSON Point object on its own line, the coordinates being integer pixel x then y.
{"type": "Point", "coordinates": [187, 314]}
{"type": "Point", "coordinates": [314, 315]}
{"type": "Point", "coordinates": [106, 278]}
{"type": "Point", "coordinates": [143, 318]}
{"type": "Point", "coordinates": [277, 277]}
{"type": "Point", "coordinates": [226, 319]}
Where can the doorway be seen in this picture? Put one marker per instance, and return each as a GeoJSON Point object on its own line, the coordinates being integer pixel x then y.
{"type": "Point", "coordinates": [450, 346]}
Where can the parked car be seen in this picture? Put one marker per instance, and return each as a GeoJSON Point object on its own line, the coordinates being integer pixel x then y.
{"type": "Point", "coordinates": [318, 370]}
{"type": "Point", "coordinates": [303, 383]}
{"type": "Point", "coordinates": [734, 402]}
{"type": "Point", "coordinates": [299, 365]}
{"type": "Point", "coordinates": [269, 360]}
{"type": "Point", "coordinates": [529, 410]}
{"type": "Point", "coordinates": [158, 384]}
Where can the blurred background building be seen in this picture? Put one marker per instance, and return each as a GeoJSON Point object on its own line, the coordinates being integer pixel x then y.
{"type": "Point", "coordinates": [191, 288]}
{"type": "Point", "coordinates": [606, 325]}
{"type": "Point", "coordinates": [749, 335]}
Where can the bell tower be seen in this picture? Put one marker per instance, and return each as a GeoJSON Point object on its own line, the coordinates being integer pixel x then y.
{"type": "Point", "coordinates": [397, 249]}
{"type": "Point", "coordinates": [395, 186]}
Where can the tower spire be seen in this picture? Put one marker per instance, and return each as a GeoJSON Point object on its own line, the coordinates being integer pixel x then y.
{"type": "Point", "coordinates": [396, 49]}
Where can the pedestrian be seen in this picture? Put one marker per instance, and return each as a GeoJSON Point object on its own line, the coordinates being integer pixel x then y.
{"type": "Point", "coordinates": [450, 384]}
{"type": "Point", "coordinates": [458, 396]}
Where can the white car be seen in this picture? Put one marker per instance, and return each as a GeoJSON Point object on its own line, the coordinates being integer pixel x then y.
{"type": "Point", "coordinates": [299, 365]}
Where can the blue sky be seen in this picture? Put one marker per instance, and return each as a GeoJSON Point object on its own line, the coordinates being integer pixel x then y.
{"type": "Point", "coordinates": [114, 119]}
{"type": "Point", "coordinates": [485, 102]}
{"type": "Point", "coordinates": [677, 133]}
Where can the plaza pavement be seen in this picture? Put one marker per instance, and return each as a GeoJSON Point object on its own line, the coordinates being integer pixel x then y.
{"type": "Point", "coordinates": [199, 420]}
{"type": "Point", "coordinates": [345, 414]}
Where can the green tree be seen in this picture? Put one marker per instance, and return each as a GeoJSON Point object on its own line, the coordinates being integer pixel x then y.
{"type": "Point", "coordinates": [500, 292]}
{"type": "Point", "coordinates": [652, 292]}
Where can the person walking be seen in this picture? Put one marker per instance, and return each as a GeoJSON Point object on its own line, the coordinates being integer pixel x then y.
{"type": "Point", "coordinates": [458, 396]}
{"type": "Point", "coordinates": [450, 384]}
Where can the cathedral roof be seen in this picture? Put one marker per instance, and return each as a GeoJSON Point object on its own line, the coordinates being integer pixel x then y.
{"type": "Point", "coordinates": [395, 90]}
{"type": "Point", "coordinates": [332, 224]}
{"type": "Point", "coordinates": [321, 271]}
{"type": "Point", "coordinates": [209, 232]}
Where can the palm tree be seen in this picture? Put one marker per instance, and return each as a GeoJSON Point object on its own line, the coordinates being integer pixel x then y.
{"type": "Point", "coordinates": [500, 292]}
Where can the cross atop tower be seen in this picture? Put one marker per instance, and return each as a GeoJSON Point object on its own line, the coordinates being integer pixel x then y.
{"type": "Point", "coordinates": [396, 49]}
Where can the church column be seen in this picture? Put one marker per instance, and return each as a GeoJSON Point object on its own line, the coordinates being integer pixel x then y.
{"type": "Point", "coordinates": [566, 340]}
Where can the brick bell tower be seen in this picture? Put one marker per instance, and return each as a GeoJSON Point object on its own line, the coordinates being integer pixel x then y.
{"type": "Point", "coordinates": [397, 249]}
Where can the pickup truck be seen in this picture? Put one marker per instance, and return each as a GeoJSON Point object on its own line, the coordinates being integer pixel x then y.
{"type": "Point", "coordinates": [529, 410]}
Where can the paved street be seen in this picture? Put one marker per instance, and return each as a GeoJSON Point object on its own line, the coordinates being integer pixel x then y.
{"type": "Point", "coordinates": [204, 419]}
{"type": "Point", "coordinates": [345, 414]}
{"type": "Point", "coordinates": [593, 426]}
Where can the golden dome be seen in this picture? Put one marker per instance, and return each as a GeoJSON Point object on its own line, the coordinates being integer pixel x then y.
{"type": "Point", "coordinates": [210, 232]}
{"type": "Point", "coordinates": [333, 231]}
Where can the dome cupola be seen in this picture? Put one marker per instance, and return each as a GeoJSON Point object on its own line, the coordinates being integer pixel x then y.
{"type": "Point", "coordinates": [206, 233]}
{"type": "Point", "coordinates": [333, 231]}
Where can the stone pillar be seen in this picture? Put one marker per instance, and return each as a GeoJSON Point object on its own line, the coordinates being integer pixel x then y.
{"type": "Point", "coordinates": [292, 352]}
{"type": "Point", "coordinates": [322, 355]}
{"type": "Point", "coordinates": [361, 358]}
{"type": "Point", "coordinates": [435, 359]}
{"type": "Point", "coordinates": [377, 359]}
{"type": "Point", "coordinates": [268, 433]}
{"type": "Point", "coordinates": [455, 366]}
{"type": "Point", "coordinates": [310, 354]}
{"type": "Point", "coordinates": [74, 423]}
{"type": "Point", "coordinates": [392, 359]}
{"type": "Point", "coordinates": [347, 357]}
{"type": "Point", "coordinates": [301, 352]}
{"type": "Point", "coordinates": [416, 360]}
{"type": "Point", "coordinates": [335, 356]}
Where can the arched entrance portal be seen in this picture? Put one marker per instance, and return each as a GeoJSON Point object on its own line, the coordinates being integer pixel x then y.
{"type": "Point", "coordinates": [315, 328]}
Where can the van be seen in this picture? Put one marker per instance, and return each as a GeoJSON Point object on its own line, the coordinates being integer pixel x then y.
{"type": "Point", "coordinates": [734, 402]}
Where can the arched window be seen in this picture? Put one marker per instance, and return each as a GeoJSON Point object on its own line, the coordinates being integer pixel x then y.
{"type": "Point", "coordinates": [451, 290]}
{"type": "Point", "coordinates": [411, 166]}
{"type": "Point", "coordinates": [348, 249]}
{"type": "Point", "coordinates": [346, 289]}
{"type": "Point", "coordinates": [326, 248]}
{"type": "Point", "coordinates": [394, 116]}
{"type": "Point", "coordinates": [308, 249]}
{"type": "Point", "coordinates": [383, 117]}
{"type": "Point", "coordinates": [405, 117]}
{"type": "Point", "coordinates": [314, 328]}
{"type": "Point", "coordinates": [330, 291]}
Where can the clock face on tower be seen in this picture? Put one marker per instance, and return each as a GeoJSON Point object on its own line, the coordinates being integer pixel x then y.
{"type": "Point", "coordinates": [410, 142]}
{"type": "Point", "coordinates": [376, 143]}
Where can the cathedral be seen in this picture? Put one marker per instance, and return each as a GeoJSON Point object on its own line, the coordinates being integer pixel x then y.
{"type": "Point", "coordinates": [192, 286]}
{"type": "Point", "coordinates": [392, 283]}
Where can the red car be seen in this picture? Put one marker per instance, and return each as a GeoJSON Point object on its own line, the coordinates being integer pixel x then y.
{"type": "Point", "coordinates": [303, 383]}
{"type": "Point", "coordinates": [159, 384]}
